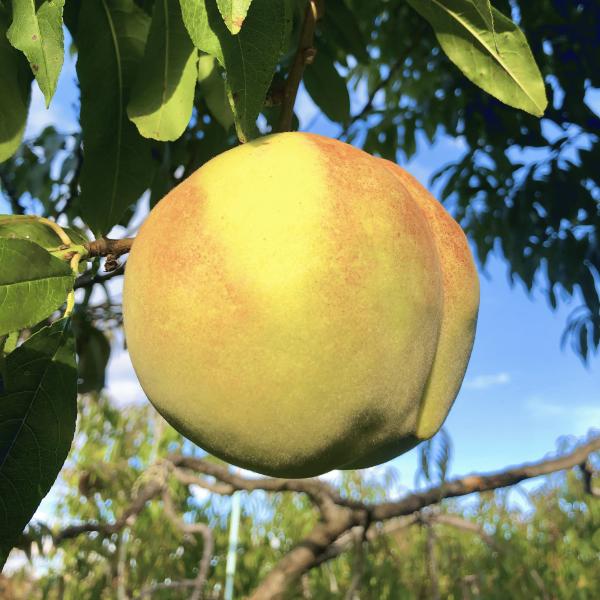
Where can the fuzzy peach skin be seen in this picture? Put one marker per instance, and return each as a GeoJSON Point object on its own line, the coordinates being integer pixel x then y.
{"type": "Point", "coordinates": [297, 306]}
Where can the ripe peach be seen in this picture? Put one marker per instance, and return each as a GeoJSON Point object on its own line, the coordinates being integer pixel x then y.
{"type": "Point", "coordinates": [297, 306]}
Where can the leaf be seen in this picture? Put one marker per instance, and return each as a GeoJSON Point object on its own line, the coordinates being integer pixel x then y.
{"type": "Point", "coordinates": [93, 351]}
{"type": "Point", "coordinates": [38, 409]}
{"type": "Point", "coordinates": [234, 13]}
{"type": "Point", "coordinates": [162, 98]}
{"type": "Point", "coordinates": [249, 58]}
{"type": "Point", "coordinates": [33, 284]}
{"type": "Point", "coordinates": [328, 88]}
{"type": "Point", "coordinates": [484, 7]}
{"type": "Point", "coordinates": [36, 30]}
{"type": "Point", "coordinates": [15, 86]}
{"type": "Point", "coordinates": [25, 228]}
{"type": "Point", "coordinates": [212, 86]}
{"type": "Point", "coordinates": [117, 166]}
{"type": "Point", "coordinates": [508, 73]}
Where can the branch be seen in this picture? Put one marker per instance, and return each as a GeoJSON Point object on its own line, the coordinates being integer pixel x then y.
{"type": "Point", "coordinates": [484, 483]}
{"type": "Point", "coordinates": [108, 247]}
{"type": "Point", "coordinates": [588, 479]}
{"type": "Point", "coordinates": [305, 55]}
{"type": "Point", "coordinates": [340, 519]}
{"type": "Point", "coordinates": [87, 281]}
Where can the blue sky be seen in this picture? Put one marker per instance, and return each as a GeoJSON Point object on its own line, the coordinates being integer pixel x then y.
{"type": "Point", "coordinates": [521, 391]}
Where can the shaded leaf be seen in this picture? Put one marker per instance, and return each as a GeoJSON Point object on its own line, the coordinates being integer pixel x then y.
{"type": "Point", "coordinates": [38, 409]}
{"type": "Point", "coordinates": [212, 86]}
{"type": "Point", "coordinates": [234, 13]}
{"type": "Point", "coordinates": [33, 284]}
{"type": "Point", "coordinates": [15, 86]}
{"type": "Point", "coordinates": [36, 30]}
{"type": "Point", "coordinates": [93, 351]}
{"type": "Point", "coordinates": [498, 60]}
{"type": "Point", "coordinates": [327, 87]}
{"type": "Point", "coordinates": [117, 166]}
{"type": "Point", "coordinates": [249, 58]}
{"type": "Point", "coordinates": [163, 94]}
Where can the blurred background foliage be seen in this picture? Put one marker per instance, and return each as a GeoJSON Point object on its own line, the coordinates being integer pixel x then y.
{"type": "Point", "coordinates": [540, 543]}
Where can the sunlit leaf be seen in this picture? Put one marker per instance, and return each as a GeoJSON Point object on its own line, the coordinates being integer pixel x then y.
{"type": "Point", "coordinates": [249, 58]}
{"type": "Point", "coordinates": [497, 59]}
{"type": "Point", "coordinates": [163, 94]}
{"type": "Point", "coordinates": [33, 284]}
{"type": "Point", "coordinates": [37, 30]}
{"type": "Point", "coordinates": [234, 13]}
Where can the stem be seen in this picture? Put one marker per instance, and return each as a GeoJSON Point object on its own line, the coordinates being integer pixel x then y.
{"type": "Point", "coordinates": [109, 247]}
{"type": "Point", "coordinates": [305, 55]}
{"type": "Point", "coordinates": [71, 297]}
{"type": "Point", "coordinates": [60, 232]}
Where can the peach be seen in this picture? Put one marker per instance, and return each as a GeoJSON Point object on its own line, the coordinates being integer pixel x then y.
{"type": "Point", "coordinates": [297, 306]}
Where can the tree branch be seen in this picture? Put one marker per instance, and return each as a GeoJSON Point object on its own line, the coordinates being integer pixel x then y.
{"type": "Point", "coordinates": [340, 519]}
{"type": "Point", "coordinates": [305, 55]}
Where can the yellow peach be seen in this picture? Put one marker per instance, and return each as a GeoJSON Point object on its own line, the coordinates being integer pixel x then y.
{"type": "Point", "coordinates": [297, 306]}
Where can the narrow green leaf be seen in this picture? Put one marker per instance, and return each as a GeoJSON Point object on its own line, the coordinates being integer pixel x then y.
{"type": "Point", "coordinates": [498, 60]}
{"type": "Point", "coordinates": [212, 88]}
{"type": "Point", "coordinates": [36, 30]}
{"type": "Point", "coordinates": [328, 88]}
{"type": "Point", "coordinates": [249, 58]}
{"type": "Point", "coordinates": [117, 166]}
{"type": "Point", "coordinates": [15, 93]}
{"type": "Point", "coordinates": [25, 228]}
{"type": "Point", "coordinates": [33, 284]}
{"type": "Point", "coordinates": [38, 409]}
{"type": "Point", "coordinates": [162, 98]}
{"type": "Point", "coordinates": [234, 13]}
{"type": "Point", "coordinates": [485, 10]}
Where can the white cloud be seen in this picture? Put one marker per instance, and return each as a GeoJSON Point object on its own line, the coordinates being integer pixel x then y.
{"type": "Point", "coordinates": [485, 382]}
{"type": "Point", "coordinates": [581, 418]}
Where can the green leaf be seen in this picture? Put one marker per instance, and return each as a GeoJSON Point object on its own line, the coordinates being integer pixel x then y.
{"type": "Point", "coordinates": [234, 13]}
{"type": "Point", "coordinates": [497, 59]}
{"type": "Point", "coordinates": [212, 88]}
{"type": "Point", "coordinates": [33, 284]}
{"type": "Point", "coordinates": [249, 58]}
{"type": "Point", "coordinates": [38, 409]}
{"type": "Point", "coordinates": [36, 30]}
{"type": "Point", "coordinates": [328, 88]}
{"type": "Point", "coordinates": [15, 86]}
{"type": "Point", "coordinates": [117, 166]}
{"type": "Point", "coordinates": [25, 228]}
{"type": "Point", "coordinates": [163, 94]}
{"type": "Point", "coordinates": [93, 351]}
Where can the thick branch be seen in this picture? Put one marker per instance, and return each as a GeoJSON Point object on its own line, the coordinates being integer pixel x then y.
{"type": "Point", "coordinates": [304, 56]}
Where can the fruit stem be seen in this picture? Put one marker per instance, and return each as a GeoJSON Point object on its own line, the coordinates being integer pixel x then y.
{"type": "Point", "coordinates": [305, 55]}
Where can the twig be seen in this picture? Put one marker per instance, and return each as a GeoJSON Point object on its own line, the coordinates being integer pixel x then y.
{"type": "Point", "coordinates": [111, 249]}
{"type": "Point", "coordinates": [87, 281]}
{"type": "Point", "coordinates": [305, 55]}
{"type": "Point", "coordinates": [207, 550]}
{"type": "Point", "coordinates": [588, 479]}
